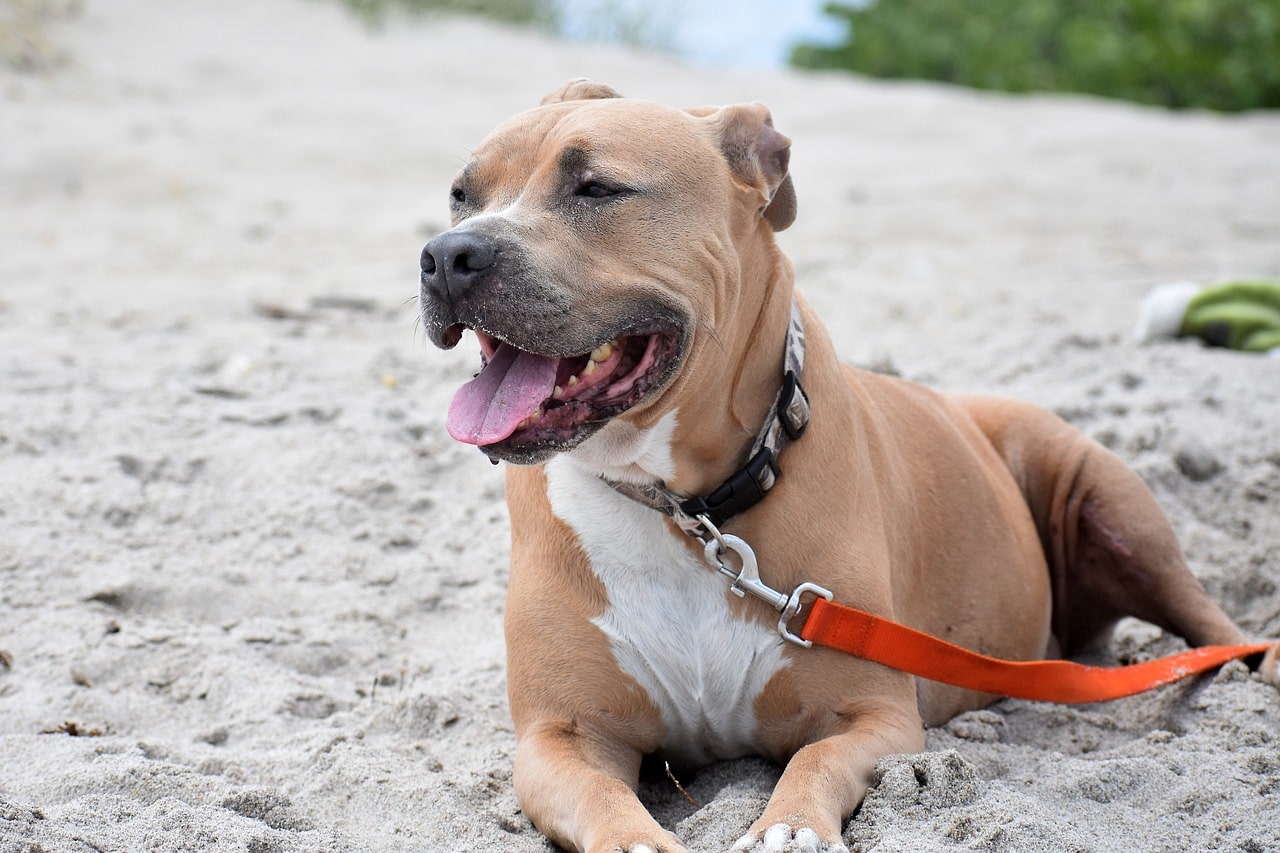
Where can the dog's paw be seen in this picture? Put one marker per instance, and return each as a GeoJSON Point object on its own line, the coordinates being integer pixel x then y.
{"type": "Point", "coordinates": [1269, 669]}
{"type": "Point", "coordinates": [782, 838]}
{"type": "Point", "coordinates": [669, 844]}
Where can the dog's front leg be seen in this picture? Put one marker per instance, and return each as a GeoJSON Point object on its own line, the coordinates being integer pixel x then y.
{"type": "Point", "coordinates": [581, 724]}
{"type": "Point", "coordinates": [579, 790]}
{"type": "Point", "coordinates": [826, 780]}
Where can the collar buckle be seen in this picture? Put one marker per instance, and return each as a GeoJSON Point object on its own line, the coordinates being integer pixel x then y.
{"type": "Point", "coordinates": [743, 490]}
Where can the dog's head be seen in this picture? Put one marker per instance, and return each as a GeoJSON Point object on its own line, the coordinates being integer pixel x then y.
{"type": "Point", "coordinates": [598, 244]}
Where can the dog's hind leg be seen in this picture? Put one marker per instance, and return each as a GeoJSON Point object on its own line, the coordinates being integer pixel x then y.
{"type": "Point", "coordinates": [1110, 548]}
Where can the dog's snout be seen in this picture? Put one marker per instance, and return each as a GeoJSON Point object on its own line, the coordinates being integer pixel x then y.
{"type": "Point", "coordinates": [454, 261]}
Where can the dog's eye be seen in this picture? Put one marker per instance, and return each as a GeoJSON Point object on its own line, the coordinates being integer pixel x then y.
{"type": "Point", "coordinates": [458, 195]}
{"type": "Point", "coordinates": [595, 189]}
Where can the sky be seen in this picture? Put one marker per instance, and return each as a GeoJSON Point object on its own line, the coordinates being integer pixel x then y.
{"type": "Point", "coordinates": [732, 33]}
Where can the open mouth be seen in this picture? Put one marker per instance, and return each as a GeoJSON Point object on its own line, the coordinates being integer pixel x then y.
{"type": "Point", "coordinates": [522, 399]}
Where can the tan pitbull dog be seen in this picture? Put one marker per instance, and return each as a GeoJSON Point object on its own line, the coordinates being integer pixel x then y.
{"type": "Point", "coordinates": [616, 260]}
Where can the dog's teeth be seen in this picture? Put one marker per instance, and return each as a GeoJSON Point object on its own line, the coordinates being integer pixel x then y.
{"type": "Point", "coordinates": [535, 417]}
{"type": "Point", "coordinates": [602, 352]}
{"type": "Point", "coordinates": [590, 368]}
{"type": "Point", "coordinates": [558, 393]}
{"type": "Point", "coordinates": [573, 380]}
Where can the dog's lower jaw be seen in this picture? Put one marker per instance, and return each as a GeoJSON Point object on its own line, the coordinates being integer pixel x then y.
{"type": "Point", "coordinates": [537, 454]}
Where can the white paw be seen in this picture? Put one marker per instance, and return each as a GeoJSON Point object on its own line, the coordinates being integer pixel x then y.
{"type": "Point", "coordinates": [781, 838]}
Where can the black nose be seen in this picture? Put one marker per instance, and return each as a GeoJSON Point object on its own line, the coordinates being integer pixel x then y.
{"type": "Point", "coordinates": [454, 261]}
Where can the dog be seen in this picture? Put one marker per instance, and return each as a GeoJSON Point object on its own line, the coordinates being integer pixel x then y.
{"type": "Point", "coordinates": [642, 356]}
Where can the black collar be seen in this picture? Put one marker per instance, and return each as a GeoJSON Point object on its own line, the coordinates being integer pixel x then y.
{"type": "Point", "coordinates": [748, 485]}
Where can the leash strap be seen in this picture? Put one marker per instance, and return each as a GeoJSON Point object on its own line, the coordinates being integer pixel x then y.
{"type": "Point", "coordinates": [870, 637]}
{"type": "Point", "coordinates": [875, 639]}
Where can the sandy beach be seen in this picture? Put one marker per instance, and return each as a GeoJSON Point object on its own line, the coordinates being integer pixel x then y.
{"type": "Point", "coordinates": [250, 591]}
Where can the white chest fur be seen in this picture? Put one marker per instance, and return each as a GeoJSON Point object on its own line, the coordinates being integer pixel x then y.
{"type": "Point", "coordinates": [668, 619]}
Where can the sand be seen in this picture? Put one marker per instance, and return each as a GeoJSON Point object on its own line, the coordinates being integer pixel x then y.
{"type": "Point", "coordinates": [251, 593]}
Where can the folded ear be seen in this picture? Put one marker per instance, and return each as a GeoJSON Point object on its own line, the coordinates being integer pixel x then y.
{"type": "Point", "coordinates": [580, 89]}
{"type": "Point", "coordinates": [758, 155]}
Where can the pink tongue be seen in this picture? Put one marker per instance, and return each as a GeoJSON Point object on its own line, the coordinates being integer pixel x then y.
{"type": "Point", "coordinates": [510, 388]}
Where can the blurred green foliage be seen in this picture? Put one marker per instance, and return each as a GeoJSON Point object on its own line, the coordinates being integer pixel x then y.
{"type": "Point", "coordinates": [538, 12]}
{"type": "Point", "coordinates": [1219, 54]}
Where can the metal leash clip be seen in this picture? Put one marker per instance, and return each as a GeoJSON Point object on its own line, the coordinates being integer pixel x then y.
{"type": "Point", "coordinates": [747, 578]}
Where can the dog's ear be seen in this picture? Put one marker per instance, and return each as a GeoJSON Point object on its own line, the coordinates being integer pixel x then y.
{"type": "Point", "coordinates": [580, 89]}
{"type": "Point", "coordinates": [758, 155]}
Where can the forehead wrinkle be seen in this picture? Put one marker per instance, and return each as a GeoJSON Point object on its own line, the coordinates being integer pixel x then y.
{"type": "Point", "coordinates": [633, 135]}
{"type": "Point", "coordinates": [574, 159]}
{"type": "Point", "coordinates": [562, 141]}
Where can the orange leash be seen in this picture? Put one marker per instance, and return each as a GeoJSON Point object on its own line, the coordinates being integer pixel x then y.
{"type": "Point", "coordinates": [875, 639]}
